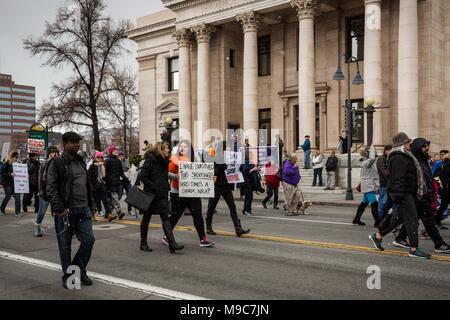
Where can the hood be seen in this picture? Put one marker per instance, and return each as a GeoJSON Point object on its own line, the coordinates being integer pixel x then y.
{"type": "Point", "coordinates": [416, 145]}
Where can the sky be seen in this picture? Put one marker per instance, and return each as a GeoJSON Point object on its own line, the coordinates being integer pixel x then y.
{"type": "Point", "coordinates": [22, 18]}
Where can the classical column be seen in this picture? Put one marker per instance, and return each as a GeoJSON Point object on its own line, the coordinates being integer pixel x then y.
{"type": "Point", "coordinates": [203, 34]}
{"type": "Point", "coordinates": [184, 91]}
{"type": "Point", "coordinates": [373, 83]}
{"type": "Point", "coordinates": [408, 69]}
{"type": "Point", "coordinates": [306, 10]}
{"type": "Point", "coordinates": [250, 23]}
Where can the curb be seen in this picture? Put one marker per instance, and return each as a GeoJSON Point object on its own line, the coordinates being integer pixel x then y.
{"type": "Point", "coordinates": [350, 204]}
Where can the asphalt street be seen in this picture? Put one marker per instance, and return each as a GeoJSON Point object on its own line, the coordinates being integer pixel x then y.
{"type": "Point", "coordinates": [315, 256]}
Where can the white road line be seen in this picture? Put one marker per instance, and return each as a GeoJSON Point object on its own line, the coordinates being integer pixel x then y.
{"type": "Point", "coordinates": [304, 220]}
{"type": "Point", "coordinates": [147, 288]}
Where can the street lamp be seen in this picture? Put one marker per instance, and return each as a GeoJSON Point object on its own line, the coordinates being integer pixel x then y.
{"type": "Point", "coordinates": [169, 127]}
{"type": "Point", "coordinates": [369, 109]}
{"type": "Point", "coordinates": [338, 76]}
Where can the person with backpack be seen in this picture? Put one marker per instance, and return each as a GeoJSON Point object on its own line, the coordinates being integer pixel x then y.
{"type": "Point", "coordinates": [52, 152]}
{"type": "Point", "coordinates": [8, 184]}
{"type": "Point", "coordinates": [98, 186]}
{"type": "Point", "coordinates": [33, 178]}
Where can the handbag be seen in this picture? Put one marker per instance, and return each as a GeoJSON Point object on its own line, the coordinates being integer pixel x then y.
{"type": "Point", "coordinates": [358, 187]}
{"type": "Point", "coordinates": [139, 198]}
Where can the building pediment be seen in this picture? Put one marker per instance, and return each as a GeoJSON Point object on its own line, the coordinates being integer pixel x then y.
{"type": "Point", "coordinates": [167, 107]}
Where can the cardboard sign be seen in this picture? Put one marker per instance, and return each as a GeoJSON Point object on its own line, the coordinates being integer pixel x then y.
{"type": "Point", "coordinates": [233, 174]}
{"type": "Point", "coordinates": [5, 150]}
{"type": "Point", "coordinates": [36, 146]}
{"type": "Point", "coordinates": [196, 180]}
{"type": "Point", "coordinates": [21, 183]}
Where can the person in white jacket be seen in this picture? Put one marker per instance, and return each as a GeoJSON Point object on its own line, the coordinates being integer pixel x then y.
{"type": "Point", "coordinates": [318, 165]}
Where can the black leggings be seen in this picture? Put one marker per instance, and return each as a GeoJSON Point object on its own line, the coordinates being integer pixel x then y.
{"type": "Point", "coordinates": [160, 206]}
{"type": "Point", "coordinates": [194, 205]}
{"type": "Point", "coordinates": [227, 195]}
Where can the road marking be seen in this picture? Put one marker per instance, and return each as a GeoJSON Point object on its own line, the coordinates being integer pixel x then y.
{"type": "Point", "coordinates": [309, 243]}
{"type": "Point", "coordinates": [143, 287]}
{"type": "Point", "coordinates": [304, 220]}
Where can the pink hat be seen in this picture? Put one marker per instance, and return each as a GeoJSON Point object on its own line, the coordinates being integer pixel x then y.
{"type": "Point", "coordinates": [99, 154]}
{"type": "Point", "coordinates": [111, 148]}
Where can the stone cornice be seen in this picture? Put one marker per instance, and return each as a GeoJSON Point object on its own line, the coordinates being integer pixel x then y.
{"type": "Point", "coordinates": [367, 2]}
{"type": "Point", "coordinates": [306, 9]}
{"type": "Point", "coordinates": [203, 32]}
{"type": "Point", "coordinates": [134, 33]}
{"type": "Point", "coordinates": [180, 4]}
{"type": "Point", "coordinates": [250, 21]}
{"type": "Point", "coordinates": [183, 37]}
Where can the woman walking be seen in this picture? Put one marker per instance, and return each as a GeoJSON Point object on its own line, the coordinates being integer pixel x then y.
{"type": "Point", "coordinates": [97, 174]}
{"type": "Point", "coordinates": [155, 177]}
{"type": "Point", "coordinates": [291, 179]}
{"type": "Point", "coordinates": [8, 186]}
{"type": "Point", "coordinates": [250, 184]}
{"type": "Point", "coordinates": [272, 184]}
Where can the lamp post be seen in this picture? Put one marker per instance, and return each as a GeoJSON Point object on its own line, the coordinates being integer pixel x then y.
{"type": "Point", "coordinates": [338, 76]}
{"type": "Point", "coordinates": [369, 109]}
{"type": "Point", "coordinates": [166, 136]}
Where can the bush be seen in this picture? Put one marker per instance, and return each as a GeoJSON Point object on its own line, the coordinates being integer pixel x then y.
{"type": "Point", "coordinates": [136, 160]}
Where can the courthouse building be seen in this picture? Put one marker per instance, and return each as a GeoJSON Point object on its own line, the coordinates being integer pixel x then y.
{"type": "Point", "coordinates": [270, 63]}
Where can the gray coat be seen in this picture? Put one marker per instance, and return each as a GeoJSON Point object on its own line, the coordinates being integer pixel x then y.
{"type": "Point", "coordinates": [369, 174]}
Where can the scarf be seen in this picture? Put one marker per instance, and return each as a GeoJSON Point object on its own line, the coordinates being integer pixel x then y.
{"type": "Point", "coordinates": [420, 180]}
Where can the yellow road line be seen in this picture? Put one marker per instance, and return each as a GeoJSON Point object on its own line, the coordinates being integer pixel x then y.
{"type": "Point", "coordinates": [327, 245]}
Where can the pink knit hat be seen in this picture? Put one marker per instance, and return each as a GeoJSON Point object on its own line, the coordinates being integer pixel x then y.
{"type": "Point", "coordinates": [112, 148]}
{"type": "Point", "coordinates": [99, 154]}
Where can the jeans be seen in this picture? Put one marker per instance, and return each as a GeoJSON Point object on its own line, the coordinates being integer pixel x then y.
{"type": "Point", "coordinates": [270, 192]}
{"type": "Point", "coordinates": [331, 179]}
{"type": "Point", "coordinates": [114, 198]}
{"type": "Point", "coordinates": [9, 191]}
{"type": "Point", "coordinates": [127, 189]}
{"type": "Point", "coordinates": [318, 173]}
{"type": "Point", "coordinates": [43, 206]}
{"type": "Point", "coordinates": [80, 224]}
{"type": "Point", "coordinates": [195, 207]}
{"type": "Point", "coordinates": [382, 202]}
{"type": "Point", "coordinates": [308, 159]}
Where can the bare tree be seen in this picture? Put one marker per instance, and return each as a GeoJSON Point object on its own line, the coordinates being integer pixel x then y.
{"type": "Point", "coordinates": [86, 40]}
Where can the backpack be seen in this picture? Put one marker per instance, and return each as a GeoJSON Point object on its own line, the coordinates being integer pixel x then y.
{"type": "Point", "coordinates": [62, 169]}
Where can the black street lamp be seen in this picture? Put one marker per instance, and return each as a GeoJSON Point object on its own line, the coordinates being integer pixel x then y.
{"type": "Point", "coordinates": [338, 76]}
{"type": "Point", "coordinates": [169, 127]}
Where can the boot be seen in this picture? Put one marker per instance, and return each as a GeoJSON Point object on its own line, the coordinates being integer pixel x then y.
{"type": "Point", "coordinates": [144, 233]}
{"type": "Point", "coordinates": [144, 247]}
{"type": "Point", "coordinates": [38, 232]}
{"type": "Point", "coordinates": [376, 218]}
{"type": "Point", "coordinates": [209, 229]}
{"type": "Point", "coordinates": [359, 213]}
{"type": "Point", "coordinates": [238, 228]}
{"type": "Point", "coordinates": [173, 245]}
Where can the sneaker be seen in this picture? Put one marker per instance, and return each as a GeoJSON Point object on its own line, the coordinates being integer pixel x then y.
{"type": "Point", "coordinates": [110, 217]}
{"type": "Point", "coordinates": [441, 227]}
{"type": "Point", "coordinates": [419, 253]}
{"type": "Point", "coordinates": [121, 215]}
{"type": "Point", "coordinates": [376, 242]}
{"type": "Point", "coordinates": [247, 213]}
{"type": "Point", "coordinates": [165, 241]}
{"type": "Point", "coordinates": [101, 214]}
{"type": "Point", "coordinates": [401, 243]}
{"type": "Point", "coordinates": [85, 280]}
{"type": "Point", "coordinates": [444, 248]}
{"type": "Point", "coordinates": [206, 243]}
{"type": "Point", "coordinates": [275, 207]}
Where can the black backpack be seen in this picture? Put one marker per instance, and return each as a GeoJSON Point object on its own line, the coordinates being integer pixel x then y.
{"type": "Point", "coordinates": [61, 167]}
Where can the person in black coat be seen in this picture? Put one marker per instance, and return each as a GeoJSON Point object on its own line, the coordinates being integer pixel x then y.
{"type": "Point", "coordinates": [33, 178]}
{"type": "Point", "coordinates": [8, 184]}
{"type": "Point", "coordinates": [444, 177]}
{"type": "Point", "coordinates": [115, 178]}
{"type": "Point", "coordinates": [154, 174]}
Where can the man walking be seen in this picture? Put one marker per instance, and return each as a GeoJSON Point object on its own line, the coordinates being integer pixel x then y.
{"type": "Point", "coordinates": [331, 167]}
{"type": "Point", "coordinates": [69, 194]}
{"type": "Point", "coordinates": [306, 146]}
{"type": "Point", "coordinates": [33, 178]}
{"type": "Point", "coordinates": [384, 203]}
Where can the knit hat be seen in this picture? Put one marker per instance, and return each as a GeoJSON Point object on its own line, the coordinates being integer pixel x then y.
{"type": "Point", "coordinates": [111, 148]}
{"type": "Point", "coordinates": [99, 154]}
{"type": "Point", "coordinates": [121, 153]}
{"type": "Point", "coordinates": [400, 139]}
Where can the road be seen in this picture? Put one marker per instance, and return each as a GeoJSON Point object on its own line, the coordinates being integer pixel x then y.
{"type": "Point", "coordinates": [316, 256]}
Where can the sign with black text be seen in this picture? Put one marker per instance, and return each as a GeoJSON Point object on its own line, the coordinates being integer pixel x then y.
{"type": "Point", "coordinates": [196, 180]}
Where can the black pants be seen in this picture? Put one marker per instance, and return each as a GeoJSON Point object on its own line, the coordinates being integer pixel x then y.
{"type": "Point", "coordinates": [425, 214]}
{"type": "Point", "coordinates": [194, 205]}
{"type": "Point", "coordinates": [248, 194]}
{"type": "Point", "coordinates": [405, 213]}
{"type": "Point", "coordinates": [159, 206]}
{"type": "Point", "coordinates": [318, 173]}
{"type": "Point", "coordinates": [227, 195]}
{"type": "Point", "coordinates": [445, 201]}
{"type": "Point", "coordinates": [34, 190]}
{"type": "Point", "coordinates": [270, 192]}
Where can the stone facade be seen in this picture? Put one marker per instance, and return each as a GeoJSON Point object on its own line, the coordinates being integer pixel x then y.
{"type": "Point", "coordinates": [231, 96]}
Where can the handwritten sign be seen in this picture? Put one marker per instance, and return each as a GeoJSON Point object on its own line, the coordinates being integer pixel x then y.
{"type": "Point", "coordinates": [233, 174]}
{"type": "Point", "coordinates": [36, 146]}
{"type": "Point", "coordinates": [5, 150]}
{"type": "Point", "coordinates": [196, 180]}
{"type": "Point", "coordinates": [21, 184]}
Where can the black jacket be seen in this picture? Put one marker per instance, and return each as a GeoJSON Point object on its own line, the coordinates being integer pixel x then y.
{"type": "Point", "coordinates": [219, 172]}
{"type": "Point", "coordinates": [403, 174]}
{"type": "Point", "coordinates": [60, 182]}
{"type": "Point", "coordinates": [426, 169]}
{"type": "Point", "coordinates": [7, 177]}
{"type": "Point", "coordinates": [154, 174]}
{"type": "Point", "coordinates": [33, 172]}
{"type": "Point", "coordinates": [114, 172]}
{"type": "Point", "coordinates": [445, 179]}
{"type": "Point", "coordinates": [331, 164]}
{"type": "Point", "coordinates": [96, 185]}
{"type": "Point", "coordinates": [383, 170]}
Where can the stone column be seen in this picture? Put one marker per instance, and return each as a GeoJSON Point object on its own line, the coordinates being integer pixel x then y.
{"type": "Point", "coordinates": [250, 23]}
{"type": "Point", "coordinates": [408, 69]}
{"type": "Point", "coordinates": [373, 83]}
{"type": "Point", "coordinates": [203, 34]}
{"type": "Point", "coordinates": [306, 10]}
{"type": "Point", "coordinates": [184, 92]}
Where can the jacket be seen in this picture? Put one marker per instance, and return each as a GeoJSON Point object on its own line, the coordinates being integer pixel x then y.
{"type": "Point", "coordinates": [219, 172]}
{"type": "Point", "coordinates": [383, 170]}
{"type": "Point", "coordinates": [60, 182]}
{"type": "Point", "coordinates": [403, 174]}
{"type": "Point", "coordinates": [33, 172]}
{"type": "Point", "coordinates": [445, 178]}
{"type": "Point", "coordinates": [306, 145]}
{"type": "Point", "coordinates": [8, 179]}
{"type": "Point", "coordinates": [317, 162]}
{"type": "Point", "coordinates": [291, 173]}
{"type": "Point", "coordinates": [97, 178]}
{"type": "Point", "coordinates": [114, 172]}
{"type": "Point", "coordinates": [369, 173]}
{"type": "Point", "coordinates": [154, 174]}
{"type": "Point", "coordinates": [428, 196]}
{"type": "Point", "coordinates": [331, 164]}
{"type": "Point", "coordinates": [271, 176]}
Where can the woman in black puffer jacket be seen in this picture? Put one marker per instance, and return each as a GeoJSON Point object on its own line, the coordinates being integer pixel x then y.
{"type": "Point", "coordinates": [155, 177]}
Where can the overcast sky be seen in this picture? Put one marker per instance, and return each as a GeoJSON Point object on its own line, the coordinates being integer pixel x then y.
{"type": "Point", "coordinates": [22, 18]}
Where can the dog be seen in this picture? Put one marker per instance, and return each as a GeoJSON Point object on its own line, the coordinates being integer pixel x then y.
{"type": "Point", "coordinates": [301, 208]}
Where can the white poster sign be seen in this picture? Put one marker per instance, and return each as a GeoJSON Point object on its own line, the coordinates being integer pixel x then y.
{"type": "Point", "coordinates": [5, 150]}
{"type": "Point", "coordinates": [196, 180]}
{"type": "Point", "coordinates": [234, 175]}
{"type": "Point", "coordinates": [21, 184]}
{"type": "Point", "coordinates": [36, 146]}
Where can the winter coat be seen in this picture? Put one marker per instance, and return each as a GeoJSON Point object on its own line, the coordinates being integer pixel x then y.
{"type": "Point", "coordinates": [445, 179]}
{"type": "Point", "coordinates": [317, 162]}
{"type": "Point", "coordinates": [383, 170]}
{"type": "Point", "coordinates": [306, 145]}
{"type": "Point", "coordinates": [428, 196]}
{"type": "Point", "coordinates": [291, 173]}
{"type": "Point", "coordinates": [7, 177]}
{"type": "Point", "coordinates": [403, 174]}
{"type": "Point", "coordinates": [369, 173]}
{"type": "Point", "coordinates": [271, 176]}
{"type": "Point", "coordinates": [154, 174]}
{"type": "Point", "coordinates": [33, 172]}
{"type": "Point", "coordinates": [331, 164]}
{"type": "Point", "coordinates": [114, 172]}
{"type": "Point", "coordinates": [97, 177]}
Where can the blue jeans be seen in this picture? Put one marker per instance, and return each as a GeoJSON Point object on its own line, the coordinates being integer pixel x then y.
{"type": "Point", "coordinates": [9, 191]}
{"type": "Point", "coordinates": [43, 206]}
{"type": "Point", "coordinates": [308, 158]}
{"type": "Point", "coordinates": [382, 202]}
{"type": "Point", "coordinates": [80, 224]}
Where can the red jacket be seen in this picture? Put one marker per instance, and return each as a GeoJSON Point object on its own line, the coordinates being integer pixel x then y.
{"type": "Point", "coordinates": [270, 174]}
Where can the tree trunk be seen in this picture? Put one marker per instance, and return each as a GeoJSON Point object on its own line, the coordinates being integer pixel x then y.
{"type": "Point", "coordinates": [95, 130]}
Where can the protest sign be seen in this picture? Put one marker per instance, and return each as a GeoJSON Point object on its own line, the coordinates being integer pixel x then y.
{"type": "Point", "coordinates": [196, 180]}
{"type": "Point", "coordinates": [21, 184]}
{"type": "Point", "coordinates": [233, 174]}
{"type": "Point", "coordinates": [36, 146]}
{"type": "Point", "coordinates": [5, 150]}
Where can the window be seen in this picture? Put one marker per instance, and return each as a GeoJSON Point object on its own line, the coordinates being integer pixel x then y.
{"type": "Point", "coordinates": [265, 120]}
{"type": "Point", "coordinates": [5, 89]}
{"type": "Point", "coordinates": [15, 96]}
{"type": "Point", "coordinates": [5, 96]}
{"type": "Point", "coordinates": [24, 111]}
{"type": "Point", "coordinates": [232, 57]}
{"type": "Point", "coordinates": [5, 130]}
{"type": "Point", "coordinates": [358, 120]}
{"type": "Point", "coordinates": [264, 63]}
{"type": "Point", "coordinates": [173, 74]}
{"type": "Point", "coordinates": [355, 37]}
{"type": "Point", "coordinates": [24, 118]}
{"type": "Point", "coordinates": [25, 104]}
{"type": "Point", "coordinates": [24, 90]}
{"type": "Point", "coordinates": [5, 103]}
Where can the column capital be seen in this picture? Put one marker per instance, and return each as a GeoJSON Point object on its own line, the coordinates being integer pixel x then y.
{"type": "Point", "coordinates": [367, 2]}
{"type": "Point", "coordinates": [250, 21]}
{"type": "Point", "coordinates": [183, 37]}
{"type": "Point", "coordinates": [306, 9]}
{"type": "Point", "coordinates": [203, 32]}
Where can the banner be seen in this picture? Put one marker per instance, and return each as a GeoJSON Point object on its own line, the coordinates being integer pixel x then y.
{"type": "Point", "coordinates": [36, 146]}
{"type": "Point", "coordinates": [196, 180]}
{"type": "Point", "coordinates": [5, 150]}
{"type": "Point", "coordinates": [21, 183]}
